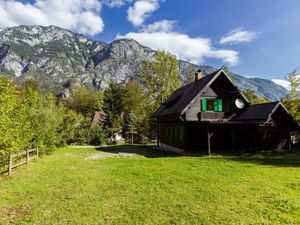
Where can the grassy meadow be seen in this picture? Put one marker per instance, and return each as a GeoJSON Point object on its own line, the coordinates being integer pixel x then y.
{"type": "Point", "coordinates": [141, 185]}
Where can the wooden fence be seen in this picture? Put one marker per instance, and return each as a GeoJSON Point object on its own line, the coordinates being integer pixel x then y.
{"type": "Point", "coordinates": [25, 158]}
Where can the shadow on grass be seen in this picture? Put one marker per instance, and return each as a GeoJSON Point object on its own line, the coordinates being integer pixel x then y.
{"type": "Point", "coordinates": [280, 159]}
{"type": "Point", "coordinates": [149, 151]}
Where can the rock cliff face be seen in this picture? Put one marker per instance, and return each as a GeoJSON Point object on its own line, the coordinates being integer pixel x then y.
{"type": "Point", "coordinates": [56, 57]}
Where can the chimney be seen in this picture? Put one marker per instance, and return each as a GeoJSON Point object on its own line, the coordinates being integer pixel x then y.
{"type": "Point", "coordinates": [198, 75]}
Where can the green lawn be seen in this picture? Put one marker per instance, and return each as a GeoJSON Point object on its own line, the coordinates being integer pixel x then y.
{"type": "Point", "coordinates": [86, 186]}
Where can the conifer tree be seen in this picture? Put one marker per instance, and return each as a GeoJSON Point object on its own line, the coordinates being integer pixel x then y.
{"type": "Point", "coordinates": [113, 107]}
{"type": "Point", "coordinates": [131, 126]}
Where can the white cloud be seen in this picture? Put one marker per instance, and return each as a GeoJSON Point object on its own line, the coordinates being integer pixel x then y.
{"type": "Point", "coordinates": [78, 15]}
{"type": "Point", "coordinates": [238, 35]}
{"type": "Point", "coordinates": [159, 36]}
{"type": "Point", "coordinates": [161, 26]}
{"type": "Point", "coordinates": [115, 3]}
{"type": "Point", "coordinates": [283, 83]}
{"type": "Point", "coordinates": [141, 10]}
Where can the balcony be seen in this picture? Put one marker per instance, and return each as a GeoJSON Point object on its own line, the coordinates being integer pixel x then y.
{"type": "Point", "coordinates": [211, 116]}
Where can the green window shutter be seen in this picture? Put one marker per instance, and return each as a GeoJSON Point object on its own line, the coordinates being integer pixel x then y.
{"type": "Point", "coordinates": [218, 105]}
{"type": "Point", "coordinates": [203, 105]}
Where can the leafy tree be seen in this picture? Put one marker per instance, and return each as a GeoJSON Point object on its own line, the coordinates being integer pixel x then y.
{"type": "Point", "coordinates": [251, 95]}
{"type": "Point", "coordinates": [72, 122]}
{"type": "Point", "coordinates": [292, 100]}
{"type": "Point", "coordinates": [83, 101]}
{"type": "Point", "coordinates": [14, 126]}
{"type": "Point", "coordinates": [161, 77]}
{"type": "Point", "coordinates": [134, 99]}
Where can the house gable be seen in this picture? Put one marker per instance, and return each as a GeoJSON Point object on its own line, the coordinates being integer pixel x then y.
{"type": "Point", "coordinates": [219, 94]}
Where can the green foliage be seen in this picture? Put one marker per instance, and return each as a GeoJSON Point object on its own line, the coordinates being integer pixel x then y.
{"type": "Point", "coordinates": [161, 77]}
{"type": "Point", "coordinates": [86, 135]}
{"type": "Point", "coordinates": [114, 108]}
{"type": "Point", "coordinates": [46, 121]}
{"type": "Point", "coordinates": [85, 101]}
{"type": "Point", "coordinates": [250, 94]}
{"type": "Point", "coordinates": [135, 104]}
{"type": "Point", "coordinates": [292, 100]}
{"type": "Point", "coordinates": [130, 127]}
{"type": "Point", "coordinates": [14, 126]}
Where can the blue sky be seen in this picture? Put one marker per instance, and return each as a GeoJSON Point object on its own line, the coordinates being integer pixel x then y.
{"type": "Point", "coordinates": [258, 38]}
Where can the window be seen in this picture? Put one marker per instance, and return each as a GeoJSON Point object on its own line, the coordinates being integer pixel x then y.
{"type": "Point", "coordinates": [170, 132]}
{"type": "Point", "coordinates": [180, 133]}
{"type": "Point", "coordinates": [212, 105]}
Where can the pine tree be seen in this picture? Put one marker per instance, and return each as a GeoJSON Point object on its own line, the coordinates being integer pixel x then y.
{"type": "Point", "coordinates": [131, 126]}
{"type": "Point", "coordinates": [113, 107]}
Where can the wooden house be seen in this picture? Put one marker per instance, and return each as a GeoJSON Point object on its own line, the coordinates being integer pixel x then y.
{"type": "Point", "coordinates": [100, 118]}
{"type": "Point", "coordinates": [212, 115]}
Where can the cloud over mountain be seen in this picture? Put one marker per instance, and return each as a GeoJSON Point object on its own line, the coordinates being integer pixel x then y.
{"type": "Point", "coordinates": [78, 15]}
{"type": "Point", "coordinates": [161, 36]}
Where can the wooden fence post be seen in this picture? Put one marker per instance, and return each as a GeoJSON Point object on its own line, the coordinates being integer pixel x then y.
{"type": "Point", "coordinates": [37, 152]}
{"type": "Point", "coordinates": [27, 156]}
{"type": "Point", "coordinates": [10, 165]}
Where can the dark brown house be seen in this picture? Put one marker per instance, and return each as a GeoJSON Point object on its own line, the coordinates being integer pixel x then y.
{"type": "Point", "coordinates": [211, 115]}
{"type": "Point", "coordinates": [100, 117]}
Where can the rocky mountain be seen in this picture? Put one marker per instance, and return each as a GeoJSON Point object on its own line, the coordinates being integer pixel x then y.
{"type": "Point", "coordinates": [58, 58]}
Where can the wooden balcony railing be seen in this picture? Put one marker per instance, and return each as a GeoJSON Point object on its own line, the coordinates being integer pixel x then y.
{"type": "Point", "coordinates": [211, 116]}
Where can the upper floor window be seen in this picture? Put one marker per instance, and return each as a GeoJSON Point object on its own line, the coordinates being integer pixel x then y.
{"type": "Point", "coordinates": [212, 105]}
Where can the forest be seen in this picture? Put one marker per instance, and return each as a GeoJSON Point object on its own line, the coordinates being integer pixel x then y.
{"type": "Point", "coordinates": [31, 119]}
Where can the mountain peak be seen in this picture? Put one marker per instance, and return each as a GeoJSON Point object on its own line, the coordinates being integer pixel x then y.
{"type": "Point", "coordinates": [53, 56]}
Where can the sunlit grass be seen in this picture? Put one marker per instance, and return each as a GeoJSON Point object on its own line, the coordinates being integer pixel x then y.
{"type": "Point", "coordinates": [153, 187]}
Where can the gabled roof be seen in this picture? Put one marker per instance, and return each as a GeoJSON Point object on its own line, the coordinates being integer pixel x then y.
{"type": "Point", "coordinates": [99, 118]}
{"type": "Point", "coordinates": [257, 112]}
{"type": "Point", "coordinates": [182, 97]}
{"type": "Point", "coordinates": [265, 111]}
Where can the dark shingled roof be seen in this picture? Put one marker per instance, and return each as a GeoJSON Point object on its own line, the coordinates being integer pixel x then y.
{"type": "Point", "coordinates": [99, 118]}
{"type": "Point", "coordinates": [257, 112]}
{"type": "Point", "coordinates": [177, 102]}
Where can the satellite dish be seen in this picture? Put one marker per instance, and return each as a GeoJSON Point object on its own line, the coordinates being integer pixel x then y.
{"type": "Point", "coordinates": [239, 103]}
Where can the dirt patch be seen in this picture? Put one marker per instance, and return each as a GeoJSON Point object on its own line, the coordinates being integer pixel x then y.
{"type": "Point", "coordinates": [109, 155]}
{"type": "Point", "coordinates": [9, 215]}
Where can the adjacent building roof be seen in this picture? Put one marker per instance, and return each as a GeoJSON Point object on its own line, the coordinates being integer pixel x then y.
{"type": "Point", "coordinates": [267, 111]}
{"type": "Point", "coordinates": [99, 118]}
{"type": "Point", "coordinates": [257, 112]}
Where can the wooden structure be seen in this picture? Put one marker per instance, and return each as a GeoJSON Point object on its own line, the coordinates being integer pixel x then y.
{"type": "Point", "coordinates": [100, 117]}
{"type": "Point", "coordinates": [18, 156]}
{"type": "Point", "coordinates": [211, 115]}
